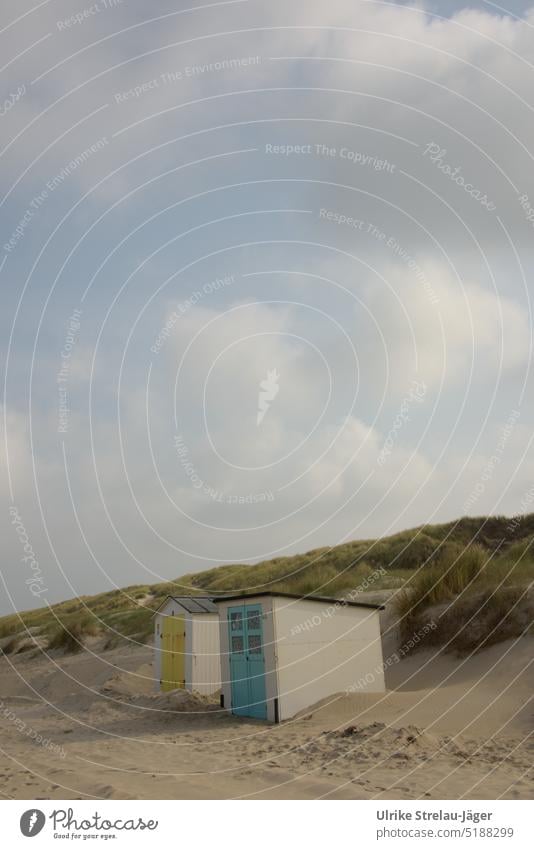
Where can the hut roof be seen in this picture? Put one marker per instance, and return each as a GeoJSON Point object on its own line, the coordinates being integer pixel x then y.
{"type": "Point", "coordinates": [323, 599]}
{"type": "Point", "coordinates": [193, 604]}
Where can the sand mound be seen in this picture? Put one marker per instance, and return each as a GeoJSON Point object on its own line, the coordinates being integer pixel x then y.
{"type": "Point", "coordinates": [377, 743]}
{"type": "Point", "coordinates": [184, 701]}
{"type": "Point", "coordinates": [139, 681]}
{"type": "Point", "coordinates": [410, 737]}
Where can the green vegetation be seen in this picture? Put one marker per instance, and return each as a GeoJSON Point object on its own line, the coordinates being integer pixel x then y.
{"type": "Point", "coordinates": [451, 565]}
{"type": "Point", "coordinates": [473, 598]}
{"type": "Point", "coordinates": [453, 572]}
{"type": "Point", "coordinates": [478, 621]}
{"type": "Point", "coordinates": [71, 637]}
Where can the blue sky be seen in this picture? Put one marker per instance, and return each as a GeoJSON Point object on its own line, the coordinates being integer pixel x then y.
{"type": "Point", "coordinates": [195, 199]}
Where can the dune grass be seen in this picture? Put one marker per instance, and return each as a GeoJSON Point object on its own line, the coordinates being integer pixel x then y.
{"type": "Point", "coordinates": [483, 619]}
{"type": "Point", "coordinates": [452, 573]}
{"type": "Point", "coordinates": [71, 637]}
{"type": "Point", "coordinates": [483, 599]}
{"type": "Point", "coordinates": [130, 623]}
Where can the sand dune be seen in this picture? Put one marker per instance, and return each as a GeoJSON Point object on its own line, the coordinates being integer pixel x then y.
{"type": "Point", "coordinates": [446, 728]}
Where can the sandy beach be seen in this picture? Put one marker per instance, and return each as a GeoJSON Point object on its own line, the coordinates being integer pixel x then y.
{"type": "Point", "coordinates": [90, 726]}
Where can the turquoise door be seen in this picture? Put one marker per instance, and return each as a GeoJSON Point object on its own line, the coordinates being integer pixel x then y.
{"type": "Point", "coordinates": [247, 661]}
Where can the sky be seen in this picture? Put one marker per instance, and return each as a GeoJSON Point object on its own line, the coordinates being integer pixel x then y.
{"type": "Point", "coordinates": [265, 274]}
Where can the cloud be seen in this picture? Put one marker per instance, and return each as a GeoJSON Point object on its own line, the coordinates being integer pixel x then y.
{"type": "Point", "coordinates": [462, 332]}
{"type": "Point", "coordinates": [443, 72]}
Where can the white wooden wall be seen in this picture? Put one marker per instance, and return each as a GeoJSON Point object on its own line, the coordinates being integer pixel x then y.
{"type": "Point", "coordinates": [202, 661]}
{"type": "Point", "coordinates": [205, 657]}
{"type": "Point", "coordinates": [322, 650]}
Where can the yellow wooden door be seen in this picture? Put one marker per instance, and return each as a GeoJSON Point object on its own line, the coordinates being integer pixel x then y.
{"type": "Point", "coordinates": [173, 648]}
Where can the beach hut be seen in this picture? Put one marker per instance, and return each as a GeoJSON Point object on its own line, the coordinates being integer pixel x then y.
{"type": "Point", "coordinates": [186, 645]}
{"type": "Point", "coordinates": [281, 653]}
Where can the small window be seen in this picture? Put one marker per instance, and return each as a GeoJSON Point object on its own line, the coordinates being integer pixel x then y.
{"type": "Point", "coordinates": [254, 620]}
{"type": "Point", "coordinates": [237, 645]}
{"type": "Point", "coordinates": [254, 644]}
{"type": "Point", "coordinates": [236, 621]}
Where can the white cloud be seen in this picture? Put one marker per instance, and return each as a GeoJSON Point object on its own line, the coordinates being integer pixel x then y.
{"type": "Point", "coordinates": [468, 328]}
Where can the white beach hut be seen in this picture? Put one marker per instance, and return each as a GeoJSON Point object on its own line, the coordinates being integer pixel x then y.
{"type": "Point", "coordinates": [282, 653]}
{"type": "Point", "coordinates": [186, 645]}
